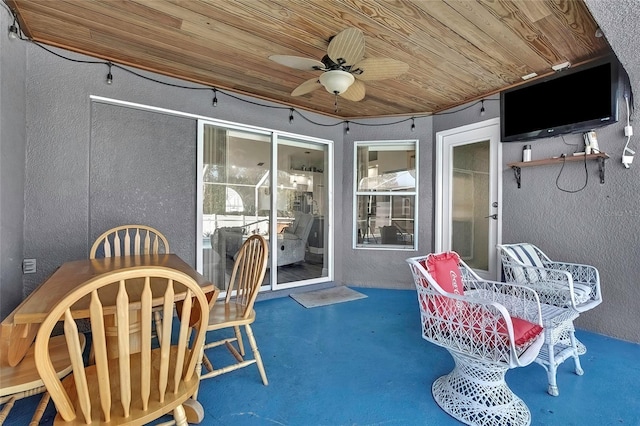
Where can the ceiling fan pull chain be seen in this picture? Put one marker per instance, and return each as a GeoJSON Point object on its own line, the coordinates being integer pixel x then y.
{"type": "Point", "coordinates": [335, 103]}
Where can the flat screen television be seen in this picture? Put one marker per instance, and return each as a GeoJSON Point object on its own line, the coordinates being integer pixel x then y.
{"type": "Point", "coordinates": [570, 101]}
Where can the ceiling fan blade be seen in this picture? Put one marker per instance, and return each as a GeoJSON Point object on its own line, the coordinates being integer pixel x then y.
{"type": "Point", "coordinates": [379, 69]}
{"type": "Point", "coordinates": [347, 47]}
{"type": "Point", "coordinates": [297, 62]}
{"type": "Point", "coordinates": [306, 87]}
{"type": "Point", "coordinates": [354, 93]}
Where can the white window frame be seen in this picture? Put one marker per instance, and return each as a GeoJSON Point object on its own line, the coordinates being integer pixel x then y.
{"type": "Point", "coordinates": [412, 193]}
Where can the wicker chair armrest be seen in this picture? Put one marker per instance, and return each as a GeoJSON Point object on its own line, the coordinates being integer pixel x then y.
{"type": "Point", "coordinates": [554, 286]}
{"type": "Point", "coordinates": [584, 274]}
{"type": "Point", "coordinates": [519, 300]}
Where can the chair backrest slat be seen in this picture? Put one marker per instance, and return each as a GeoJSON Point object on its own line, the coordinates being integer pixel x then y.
{"type": "Point", "coordinates": [117, 246]}
{"type": "Point", "coordinates": [100, 353]}
{"type": "Point", "coordinates": [136, 243]}
{"type": "Point", "coordinates": [122, 321]}
{"type": "Point", "coordinates": [182, 340]}
{"type": "Point", "coordinates": [167, 315]}
{"type": "Point", "coordinates": [145, 344]}
{"type": "Point", "coordinates": [75, 353]}
{"type": "Point", "coordinates": [127, 240]}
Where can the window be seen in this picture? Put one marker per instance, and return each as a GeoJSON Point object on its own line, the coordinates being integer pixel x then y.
{"type": "Point", "coordinates": [385, 194]}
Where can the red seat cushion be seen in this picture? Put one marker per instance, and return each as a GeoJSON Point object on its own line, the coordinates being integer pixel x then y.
{"type": "Point", "coordinates": [523, 331]}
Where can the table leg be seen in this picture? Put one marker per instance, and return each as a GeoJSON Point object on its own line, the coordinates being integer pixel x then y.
{"type": "Point", "coordinates": [194, 410]}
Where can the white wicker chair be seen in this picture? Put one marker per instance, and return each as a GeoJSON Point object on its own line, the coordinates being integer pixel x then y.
{"type": "Point", "coordinates": [487, 327]}
{"type": "Point", "coordinates": [565, 290]}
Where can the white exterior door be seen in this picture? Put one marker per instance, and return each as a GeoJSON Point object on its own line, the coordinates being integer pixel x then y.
{"type": "Point", "coordinates": [469, 195]}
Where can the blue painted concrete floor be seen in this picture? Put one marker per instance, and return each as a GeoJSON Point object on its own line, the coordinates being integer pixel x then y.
{"type": "Point", "coordinates": [365, 363]}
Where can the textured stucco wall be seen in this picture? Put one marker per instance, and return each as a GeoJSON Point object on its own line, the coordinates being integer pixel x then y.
{"type": "Point", "coordinates": [620, 22]}
{"type": "Point", "coordinates": [13, 62]}
{"type": "Point", "coordinates": [142, 169]}
{"type": "Point", "coordinates": [387, 268]}
{"type": "Point", "coordinates": [597, 226]}
{"type": "Point", "coordinates": [68, 188]}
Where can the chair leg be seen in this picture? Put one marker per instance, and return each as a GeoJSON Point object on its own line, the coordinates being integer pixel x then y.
{"type": "Point", "coordinates": [180, 416]}
{"type": "Point", "coordinates": [239, 340]}
{"type": "Point", "coordinates": [552, 367]}
{"type": "Point", "coordinates": [207, 363]}
{"type": "Point", "coordinates": [576, 358]}
{"type": "Point", "coordinates": [5, 410]}
{"type": "Point", "coordinates": [476, 393]}
{"type": "Point", "coordinates": [256, 354]}
{"type": "Point", "coordinates": [568, 339]}
{"type": "Point", "coordinates": [42, 405]}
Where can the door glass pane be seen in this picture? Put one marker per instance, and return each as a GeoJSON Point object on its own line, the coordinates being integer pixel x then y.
{"type": "Point", "coordinates": [235, 196]}
{"type": "Point", "coordinates": [300, 246]}
{"type": "Point", "coordinates": [470, 204]}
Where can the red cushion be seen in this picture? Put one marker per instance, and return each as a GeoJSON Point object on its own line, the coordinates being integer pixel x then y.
{"type": "Point", "coordinates": [444, 269]}
{"type": "Point", "coordinates": [523, 330]}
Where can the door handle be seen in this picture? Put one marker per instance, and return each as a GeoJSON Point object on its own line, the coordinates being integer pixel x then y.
{"type": "Point", "coordinates": [492, 216]}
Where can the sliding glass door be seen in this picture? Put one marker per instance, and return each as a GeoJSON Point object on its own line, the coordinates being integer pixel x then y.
{"type": "Point", "coordinates": [302, 197]}
{"type": "Point", "coordinates": [235, 173]}
{"type": "Point", "coordinates": [243, 191]}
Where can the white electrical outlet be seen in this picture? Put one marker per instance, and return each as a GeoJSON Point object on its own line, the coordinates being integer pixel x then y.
{"type": "Point", "coordinates": [28, 266]}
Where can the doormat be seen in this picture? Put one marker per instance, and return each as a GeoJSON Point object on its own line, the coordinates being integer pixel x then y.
{"type": "Point", "coordinates": [327, 296]}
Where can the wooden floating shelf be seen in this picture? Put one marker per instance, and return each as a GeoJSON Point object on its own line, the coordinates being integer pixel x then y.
{"type": "Point", "coordinates": [600, 157]}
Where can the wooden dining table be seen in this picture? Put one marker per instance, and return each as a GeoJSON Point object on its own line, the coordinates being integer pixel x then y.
{"type": "Point", "coordinates": [21, 326]}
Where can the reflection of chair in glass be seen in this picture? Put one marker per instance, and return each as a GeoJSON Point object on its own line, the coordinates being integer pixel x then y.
{"type": "Point", "coordinates": [565, 289]}
{"type": "Point", "coordinates": [128, 240]}
{"type": "Point", "coordinates": [487, 327]}
{"type": "Point", "coordinates": [237, 310]}
{"type": "Point", "coordinates": [133, 388]}
{"type": "Point", "coordinates": [292, 242]}
{"type": "Point", "coordinates": [23, 380]}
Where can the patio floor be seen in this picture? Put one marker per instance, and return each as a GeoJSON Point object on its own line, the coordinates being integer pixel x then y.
{"type": "Point", "coordinates": [365, 363]}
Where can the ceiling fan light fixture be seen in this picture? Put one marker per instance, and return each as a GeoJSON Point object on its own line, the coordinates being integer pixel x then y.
{"type": "Point", "coordinates": [336, 81]}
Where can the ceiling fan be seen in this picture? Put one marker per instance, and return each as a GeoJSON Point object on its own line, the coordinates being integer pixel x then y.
{"type": "Point", "coordinates": [344, 67]}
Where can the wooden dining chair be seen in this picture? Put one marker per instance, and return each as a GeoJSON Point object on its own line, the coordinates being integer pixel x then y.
{"type": "Point", "coordinates": [129, 240]}
{"type": "Point", "coordinates": [133, 388]}
{"type": "Point", "coordinates": [248, 272]}
{"type": "Point", "coordinates": [23, 380]}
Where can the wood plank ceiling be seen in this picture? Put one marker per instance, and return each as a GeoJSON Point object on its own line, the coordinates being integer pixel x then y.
{"type": "Point", "coordinates": [457, 50]}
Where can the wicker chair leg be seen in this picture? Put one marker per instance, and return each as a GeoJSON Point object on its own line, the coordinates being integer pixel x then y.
{"type": "Point", "coordinates": [552, 367]}
{"type": "Point", "coordinates": [576, 358]}
{"type": "Point", "coordinates": [476, 393]}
